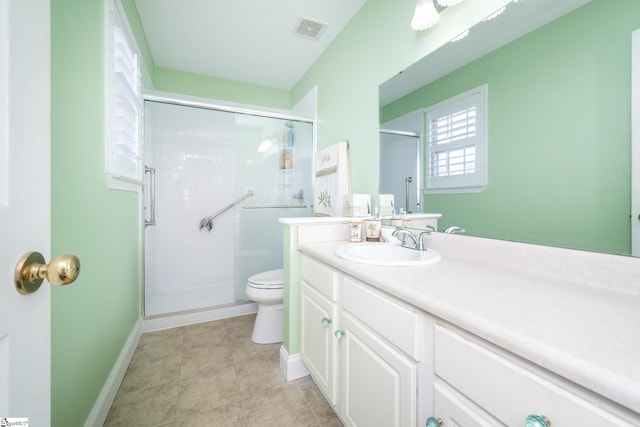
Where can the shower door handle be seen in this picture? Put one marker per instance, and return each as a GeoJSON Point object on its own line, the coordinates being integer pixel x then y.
{"type": "Point", "coordinates": [152, 196]}
{"type": "Point", "coordinates": [408, 180]}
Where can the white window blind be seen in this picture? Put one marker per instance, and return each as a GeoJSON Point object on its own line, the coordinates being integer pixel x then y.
{"type": "Point", "coordinates": [456, 143]}
{"type": "Point", "coordinates": [123, 148]}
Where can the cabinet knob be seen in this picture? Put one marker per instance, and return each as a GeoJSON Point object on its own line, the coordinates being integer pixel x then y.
{"type": "Point", "coordinates": [325, 321]}
{"type": "Point", "coordinates": [433, 422]}
{"type": "Point", "coordinates": [338, 333]}
{"type": "Point", "coordinates": [537, 421]}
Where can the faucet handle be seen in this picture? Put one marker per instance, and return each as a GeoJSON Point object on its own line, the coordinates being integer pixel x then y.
{"type": "Point", "coordinates": [454, 229]}
{"type": "Point", "coordinates": [399, 233]}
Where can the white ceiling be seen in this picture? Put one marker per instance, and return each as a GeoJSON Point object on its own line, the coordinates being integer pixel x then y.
{"type": "Point", "coordinates": [251, 41]}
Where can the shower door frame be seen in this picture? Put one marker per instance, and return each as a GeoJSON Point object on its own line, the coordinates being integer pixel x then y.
{"type": "Point", "coordinates": [187, 101]}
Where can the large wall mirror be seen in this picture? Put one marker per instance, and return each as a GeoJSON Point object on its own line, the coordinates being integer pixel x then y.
{"type": "Point", "coordinates": [558, 74]}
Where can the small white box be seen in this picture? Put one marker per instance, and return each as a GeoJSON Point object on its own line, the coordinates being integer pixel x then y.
{"type": "Point", "coordinates": [357, 205]}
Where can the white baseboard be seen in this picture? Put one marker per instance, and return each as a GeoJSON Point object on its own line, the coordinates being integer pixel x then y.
{"type": "Point", "coordinates": [101, 408]}
{"type": "Point", "coordinates": [291, 366]}
{"type": "Point", "coordinates": [173, 320]}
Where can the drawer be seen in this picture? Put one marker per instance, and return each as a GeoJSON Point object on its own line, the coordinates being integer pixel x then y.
{"type": "Point", "coordinates": [320, 277]}
{"type": "Point", "coordinates": [397, 322]}
{"type": "Point", "coordinates": [455, 410]}
{"type": "Point", "coordinates": [508, 390]}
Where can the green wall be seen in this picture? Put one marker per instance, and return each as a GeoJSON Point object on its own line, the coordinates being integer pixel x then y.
{"type": "Point", "coordinates": [92, 318]}
{"type": "Point", "coordinates": [191, 84]}
{"type": "Point", "coordinates": [559, 138]}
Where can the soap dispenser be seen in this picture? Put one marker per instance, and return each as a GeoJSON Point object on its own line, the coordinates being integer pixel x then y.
{"type": "Point", "coordinates": [290, 138]}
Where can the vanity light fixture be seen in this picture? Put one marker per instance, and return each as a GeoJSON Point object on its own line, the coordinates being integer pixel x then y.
{"type": "Point", "coordinates": [425, 15]}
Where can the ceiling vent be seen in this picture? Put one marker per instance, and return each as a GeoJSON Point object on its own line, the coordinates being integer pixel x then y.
{"type": "Point", "coordinates": [309, 29]}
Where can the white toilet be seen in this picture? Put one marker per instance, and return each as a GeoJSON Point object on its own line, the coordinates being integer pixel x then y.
{"type": "Point", "coordinates": [266, 290]}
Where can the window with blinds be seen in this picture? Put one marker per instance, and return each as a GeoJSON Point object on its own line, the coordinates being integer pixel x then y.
{"type": "Point", "coordinates": [123, 150]}
{"type": "Point", "coordinates": [456, 143]}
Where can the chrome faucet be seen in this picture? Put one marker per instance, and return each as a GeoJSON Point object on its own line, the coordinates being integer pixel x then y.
{"type": "Point", "coordinates": [454, 229]}
{"type": "Point", "coordinates": [416, 243]}
{"type": "Point", "coordinates": [403, 237]}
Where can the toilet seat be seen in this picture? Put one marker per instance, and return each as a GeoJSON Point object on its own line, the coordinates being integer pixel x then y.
{"type": "Point", "coordinates": [271, 279]}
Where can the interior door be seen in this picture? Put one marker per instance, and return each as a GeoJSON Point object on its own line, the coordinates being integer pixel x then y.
{"type": "Point", "coordinates": [24, 206]}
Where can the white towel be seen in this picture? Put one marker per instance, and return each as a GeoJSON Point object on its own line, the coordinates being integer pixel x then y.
{"type": "Point", "coordinates": [332, 181]}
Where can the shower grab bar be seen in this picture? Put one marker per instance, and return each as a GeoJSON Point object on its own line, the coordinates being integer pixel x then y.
{"type": "Point", "coordinates": [208, 222]}
{"type": "Point", "coordinates": [152, 196]}
{"type": "Point", "coordinates": [274, 207]}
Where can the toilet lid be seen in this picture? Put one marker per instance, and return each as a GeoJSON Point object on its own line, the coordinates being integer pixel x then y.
{"type": "Point", "coordinates": [271, 279]}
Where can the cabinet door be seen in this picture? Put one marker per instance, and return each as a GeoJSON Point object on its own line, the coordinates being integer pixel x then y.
{"type": "Point", "coordinates": [317, 343]}
{"type": "Point", "coordinates": [379, 383]}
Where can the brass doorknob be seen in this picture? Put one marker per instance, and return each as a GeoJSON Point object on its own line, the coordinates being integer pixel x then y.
{"type": "Point", "coordinates": [31, 270]}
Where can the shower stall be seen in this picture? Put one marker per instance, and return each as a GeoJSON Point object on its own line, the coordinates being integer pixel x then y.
{"type": "Point", "coordinates": [216, 183]}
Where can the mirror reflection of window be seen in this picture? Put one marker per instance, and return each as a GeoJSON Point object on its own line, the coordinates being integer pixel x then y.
{"type": "Point", "coordinates": [456, 142]}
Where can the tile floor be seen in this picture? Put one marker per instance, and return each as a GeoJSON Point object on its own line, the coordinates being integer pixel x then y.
{"type": "Point", "coordinates": [211, 374]}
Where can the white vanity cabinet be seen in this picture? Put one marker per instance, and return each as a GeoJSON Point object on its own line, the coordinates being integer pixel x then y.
{"type": "Point", "coordinates": [319, 317]}
{"type": "Point", "coordinates": [478, 384]}
{"type": "Point", "coordinates": [362, 347]}
{"type": "Point", "coordinates": [380, 355]}
{"type": "Point", "coordinates": [494, 332]}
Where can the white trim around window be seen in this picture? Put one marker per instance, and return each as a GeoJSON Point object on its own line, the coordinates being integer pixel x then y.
{"type": "Point", "coordinates": [123, 148]}
{"type": "Point", "coordinates": [456, 143]}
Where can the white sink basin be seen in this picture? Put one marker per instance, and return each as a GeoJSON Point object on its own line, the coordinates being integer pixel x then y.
{"type": "Point", "coordinates": [385, 254]}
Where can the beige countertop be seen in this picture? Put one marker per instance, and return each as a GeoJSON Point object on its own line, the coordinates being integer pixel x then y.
{"type": "Point", "coordinates": [589, 334]}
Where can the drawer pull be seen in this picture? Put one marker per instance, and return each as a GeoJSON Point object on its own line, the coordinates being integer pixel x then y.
{"type": "Point", "coordinates": [338, 333]}
{"type": "Point", "coordinates": [538, 421]}
{"type": "Point", "coordinates": [433, 422]}
{"type": "Point", "coordinates": [325, 321]}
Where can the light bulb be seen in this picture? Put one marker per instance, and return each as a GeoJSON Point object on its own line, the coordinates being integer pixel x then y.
{"type": "Point", "coordinates": [425, 15]}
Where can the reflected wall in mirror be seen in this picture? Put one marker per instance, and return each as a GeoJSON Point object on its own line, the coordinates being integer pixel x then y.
{"type": "Point", "coordinates": [559, 131]}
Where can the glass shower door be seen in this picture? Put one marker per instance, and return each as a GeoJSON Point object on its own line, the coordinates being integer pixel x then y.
{"type": "Point", "coordinates": [204, 160]}
{"type": "Point", "coordinates": [275, 161]}
{"type": "Point", "coordinates": [193, 153]}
